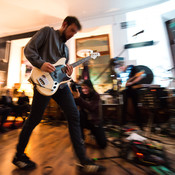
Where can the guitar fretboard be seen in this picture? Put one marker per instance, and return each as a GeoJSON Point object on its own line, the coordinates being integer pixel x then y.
{"type": "Point", "coordinates": [78, 62]}
{"type": "Point", "coordinates": [81, 61]}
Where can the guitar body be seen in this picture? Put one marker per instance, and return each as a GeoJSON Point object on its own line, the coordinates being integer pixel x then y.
{"type": "Point", "coordinates": [48, 83]}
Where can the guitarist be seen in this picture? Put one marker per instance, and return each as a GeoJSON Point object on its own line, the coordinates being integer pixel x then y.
{"type": "Point", "coordinates": [45, 48]}
{"type": "Point", "coordinates": [129, 76]}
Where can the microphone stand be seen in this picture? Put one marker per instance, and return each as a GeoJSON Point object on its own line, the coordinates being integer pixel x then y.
{"type": "Point", "coordinates": [171, 68]}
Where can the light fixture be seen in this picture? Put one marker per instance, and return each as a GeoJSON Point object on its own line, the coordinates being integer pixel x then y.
{"type": "Point", "coordinates": [84, 52]}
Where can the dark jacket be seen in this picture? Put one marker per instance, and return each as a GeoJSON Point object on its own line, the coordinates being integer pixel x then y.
{"type": "Point", "coordinates": [7, 101]}
{"type": "Point", "coordinates": [23, 100]}
{"type": "Point", "coordinates": [46, 46]}
{"type": "Point", "coordinates": [91, 105]}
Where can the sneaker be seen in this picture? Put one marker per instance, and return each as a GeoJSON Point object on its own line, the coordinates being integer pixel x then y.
{"type": "Point", "coordinates": [23, 162]}
{"type": "Point", "coordinates": [90, 167]}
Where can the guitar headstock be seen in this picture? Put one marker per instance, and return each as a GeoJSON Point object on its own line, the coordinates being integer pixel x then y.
{"type": "Point", "coordinates": [94, 55]}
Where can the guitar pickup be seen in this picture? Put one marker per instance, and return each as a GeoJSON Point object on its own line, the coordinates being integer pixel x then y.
{"type": "Point", "coordinates": [43, 80]}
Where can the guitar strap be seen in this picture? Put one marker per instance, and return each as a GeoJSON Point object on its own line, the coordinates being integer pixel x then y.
{"type": "Point", "coordinates": [31, 81]}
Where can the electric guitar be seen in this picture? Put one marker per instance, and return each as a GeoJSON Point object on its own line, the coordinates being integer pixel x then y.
{"type": "Point", "coordinates": [48, 83]}
{"type": "Point", "coordinates": [138, 74]}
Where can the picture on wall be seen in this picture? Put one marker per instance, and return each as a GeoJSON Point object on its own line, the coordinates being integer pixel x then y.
{"type": "Point", "coordinates": [2, 78]}
{"type": "Point", "coordinates": [99, 43]}
{"type": "Point", "coordinates": [4, 59]}
{"type": "Point", "coordinates": [170, 26]}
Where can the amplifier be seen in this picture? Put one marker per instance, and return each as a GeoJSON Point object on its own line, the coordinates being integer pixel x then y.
{"type": "Point", "coordinates": [153, 97]}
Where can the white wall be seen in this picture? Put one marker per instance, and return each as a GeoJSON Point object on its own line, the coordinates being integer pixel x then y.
{"type": "Point", "coordinates": [14, 67]}
{"type": "Point", "coordinates": [157, 57]}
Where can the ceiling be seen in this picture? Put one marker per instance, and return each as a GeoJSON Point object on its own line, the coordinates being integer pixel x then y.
{"type": "Point", "coordinates": [18, 16]}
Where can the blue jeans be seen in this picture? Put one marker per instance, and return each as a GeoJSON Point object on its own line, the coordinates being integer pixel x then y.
{"type": "Point", "coordinates": [66, 101]}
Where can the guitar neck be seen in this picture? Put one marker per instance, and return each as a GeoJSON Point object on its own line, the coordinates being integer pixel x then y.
{"type": "Point", "coordinates": [80, 61]}
{"type": "Point", "coordinates": [77, 63]}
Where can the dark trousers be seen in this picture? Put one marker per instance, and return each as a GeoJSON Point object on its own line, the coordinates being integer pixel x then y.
{"type": "Point", "coordinates": [66, 101]}
{"type": "Point", "coordinates": [96, 129]}
{"type": "Point", "coordinates": [133, 94]}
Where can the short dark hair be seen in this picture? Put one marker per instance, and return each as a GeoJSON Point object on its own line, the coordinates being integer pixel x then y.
{"type": "Point", "coordinates": [72, 19]}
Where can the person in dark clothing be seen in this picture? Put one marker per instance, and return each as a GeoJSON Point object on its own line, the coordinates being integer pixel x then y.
{"type": "Point", "coordinates": [45, 48]}
{"type": "Point", "coordinates": [4, 112]}
{"type": "Point", "coordinates": [23, 99]}
{"type": "Point", "coordinates": [23, 104]}
{"type": "Point", "coordinates": [7, 100]}
{"type": "Point", "coordinates": [90, 118]}
{"type": "Point", "coordinates": [130, 77]}
{"type": "Point", "coordinates": [16, 109]}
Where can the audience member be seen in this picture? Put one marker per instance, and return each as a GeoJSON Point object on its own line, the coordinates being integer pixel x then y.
{"type": "Point", "coordinates": [20, 108]}
{"type": "Point", "coordinates": [23, 104]}
{"type": "Point", "coordinates": [7, 100]}
{"type": "Point", "coordinates": [89, 102]}
{"type": "Point", "coordinates": [4, 112]}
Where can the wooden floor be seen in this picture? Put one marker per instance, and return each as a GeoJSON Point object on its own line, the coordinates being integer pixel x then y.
{"type": "Point", "coordinates": [51, 149]}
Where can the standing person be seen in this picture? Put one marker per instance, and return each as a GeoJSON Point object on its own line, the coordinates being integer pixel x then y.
{"type": "Point", "coordinates": [89, 102]}
{"type": "Point", "coordinates": [45, 48]}
{"type": "Point", "coordinates": [130, 77]}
